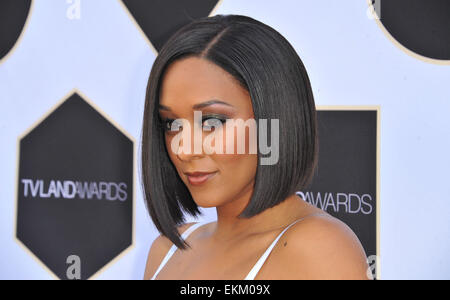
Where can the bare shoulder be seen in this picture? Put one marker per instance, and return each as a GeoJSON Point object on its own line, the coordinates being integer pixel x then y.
{"type": "Point", "coordinates": [158, 251]}
{"type": "Point", "coordinates": [323, 247]}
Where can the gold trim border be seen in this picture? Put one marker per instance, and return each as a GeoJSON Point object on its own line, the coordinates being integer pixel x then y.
{"type": "Point", "coordinates": [214, 10]}
{"type": "Point", "coordinates": [19, 39]}
{"type": "Point", "coordinates": [403, 48]}
{"type": "Point", "coordinates": [121, 129]}
{"type": "Point", "coordinates": [376, 108]}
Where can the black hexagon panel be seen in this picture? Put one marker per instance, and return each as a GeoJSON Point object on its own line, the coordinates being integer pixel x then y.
{"type": "Point", "coordinates": [160, 19]}
{"type": "Point", "coordinates": [75, 189]}
{"type": "Point", "coordinates": [346, 183]}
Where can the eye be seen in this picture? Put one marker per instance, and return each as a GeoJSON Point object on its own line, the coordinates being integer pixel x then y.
{"type": "Point", "coordinates": [208, 123]}
{"type": "Point", "coordinates": [167, 124]}
{"type": "Point", "coordinates": [213, 122]}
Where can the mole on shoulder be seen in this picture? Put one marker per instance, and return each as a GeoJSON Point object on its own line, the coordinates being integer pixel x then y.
{"type": "Point", "coordinates": [285, 243]}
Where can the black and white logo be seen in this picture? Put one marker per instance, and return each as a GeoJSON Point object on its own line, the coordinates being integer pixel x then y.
{"type": "Point", "coordinates": [75, 189]}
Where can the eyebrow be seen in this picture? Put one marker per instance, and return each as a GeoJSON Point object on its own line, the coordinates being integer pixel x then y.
{"type": "Point", "coordinates": [200, 105]}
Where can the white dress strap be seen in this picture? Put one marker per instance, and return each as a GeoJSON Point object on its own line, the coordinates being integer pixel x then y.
{"type": "Point", "coordinates": [254, 271]}
{"type": "Point", "coordinates": [174, 248]}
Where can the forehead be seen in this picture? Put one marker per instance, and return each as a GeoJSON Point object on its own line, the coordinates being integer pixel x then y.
{"type": "Point", "coordinates": [193, 80]}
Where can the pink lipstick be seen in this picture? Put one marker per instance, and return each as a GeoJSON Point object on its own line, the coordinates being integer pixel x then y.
{"type": "Point", "coordinates": [198, 178]}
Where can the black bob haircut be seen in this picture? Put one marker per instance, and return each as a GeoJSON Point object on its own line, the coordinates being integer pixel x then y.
{"type": "Point", "coordinates": [263, 62]}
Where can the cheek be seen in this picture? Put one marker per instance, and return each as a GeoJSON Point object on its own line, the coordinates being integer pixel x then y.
{"type": "Point", "coordinates": [237, 140]}
{"type": "Point", "coordinates": [172, 155]}
{"type": "Point", "coordinates": [168, 149]}
{"type": "Point", "coordinates": [237, 166]}
{"type": "Point", "coordinates": [236, 173]}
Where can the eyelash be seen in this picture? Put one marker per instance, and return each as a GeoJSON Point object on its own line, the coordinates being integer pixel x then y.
{"type": "Point", "coordinates": [167, 123]}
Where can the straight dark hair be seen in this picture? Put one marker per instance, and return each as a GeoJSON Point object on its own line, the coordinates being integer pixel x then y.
{"type": "Point", "coordinates": [263, 62]}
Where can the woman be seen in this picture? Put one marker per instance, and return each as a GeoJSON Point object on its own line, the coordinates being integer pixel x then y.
{"type": "Point", "coordinates": [230, 67]}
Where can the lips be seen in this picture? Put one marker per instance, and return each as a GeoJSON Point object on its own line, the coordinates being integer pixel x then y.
{"type": "Point", "coordinates": [197, 178]}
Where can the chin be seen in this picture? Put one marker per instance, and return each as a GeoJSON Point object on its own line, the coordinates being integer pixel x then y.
{"type": "Point", "coordinates": [206, 202]}
{"type": "Point", "coordinates": [206, 205]}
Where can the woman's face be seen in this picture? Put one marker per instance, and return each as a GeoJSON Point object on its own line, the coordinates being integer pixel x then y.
{"type": "Point", "coordinates": [192, 81]}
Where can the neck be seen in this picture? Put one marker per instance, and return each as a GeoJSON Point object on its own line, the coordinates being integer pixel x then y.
{"type": "Point", "coordinates": [229, 226]}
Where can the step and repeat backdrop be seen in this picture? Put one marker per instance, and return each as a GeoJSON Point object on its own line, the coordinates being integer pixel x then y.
{"type": "Point", "coordinates": [73, 76]}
